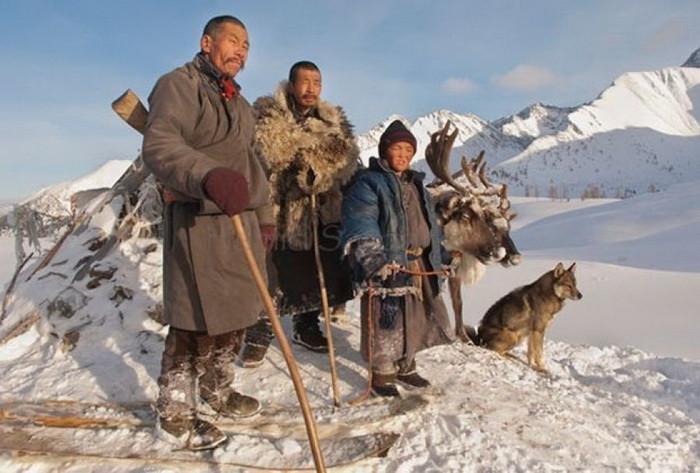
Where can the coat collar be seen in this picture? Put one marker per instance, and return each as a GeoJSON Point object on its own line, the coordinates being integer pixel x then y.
{"type": "Point", "coordinates": [324, 111]}
{"type": "Point", "coordinates": [382, 166]}
{"type": "Point", "coordinates": [207, 68]}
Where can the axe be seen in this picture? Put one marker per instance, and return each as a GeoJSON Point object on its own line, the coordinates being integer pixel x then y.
{"type": "Point", "coordinates": [131, 110]}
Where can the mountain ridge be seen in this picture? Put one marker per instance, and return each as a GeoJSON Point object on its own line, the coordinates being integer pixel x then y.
{"type": "Point", "coordinates": [639, 134]}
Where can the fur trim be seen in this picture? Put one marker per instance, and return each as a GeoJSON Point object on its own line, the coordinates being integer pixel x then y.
{"type": "Point", "coordinates": [383, 292]}
{"type": "Point", "coordinates": [317, 157]}
{"type": "Point", "coordinates": [470, 269]}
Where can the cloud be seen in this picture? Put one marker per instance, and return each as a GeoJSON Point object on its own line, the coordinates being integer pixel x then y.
{"type": "Point", "coordinates": [459, 86]}
{"type": "Point", "coordinates": [525, 77]}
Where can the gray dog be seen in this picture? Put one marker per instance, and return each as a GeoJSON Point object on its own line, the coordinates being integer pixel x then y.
{"type": "Point", "coordinates": [527, 312]}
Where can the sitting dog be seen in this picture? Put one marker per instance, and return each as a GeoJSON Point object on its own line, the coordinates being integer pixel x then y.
{"type": "Point", "coordinates": [527, 312]}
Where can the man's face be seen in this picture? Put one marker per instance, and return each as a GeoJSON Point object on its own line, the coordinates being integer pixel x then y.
{"type": "Point", "coordinates": [228, 50]}
{"type": "Point", "coordinates": [399, 156]}
{"type": "Point", "coordinates": [306, 89]}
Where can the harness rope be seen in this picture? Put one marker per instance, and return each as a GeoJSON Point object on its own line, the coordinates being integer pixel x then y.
{"type": "Point", "coordinates": [370, 324]}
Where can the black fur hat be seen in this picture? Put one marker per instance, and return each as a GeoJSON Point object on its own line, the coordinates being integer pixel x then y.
{"type": "Point", "coordinates": [395, 133]}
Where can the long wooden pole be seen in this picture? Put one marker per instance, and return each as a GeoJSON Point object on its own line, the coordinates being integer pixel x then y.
{"type": "Point", "coordinates": [324, 303]}
{"type": "Point", "coordinates": [131, 110]}
{"type": "Point", "coordinates": [284, 344]}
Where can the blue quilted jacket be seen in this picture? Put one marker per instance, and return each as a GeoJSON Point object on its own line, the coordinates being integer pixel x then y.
{"type": "Point", "coordinates": [372, 209]}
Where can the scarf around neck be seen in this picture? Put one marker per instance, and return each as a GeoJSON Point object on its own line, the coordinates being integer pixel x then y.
{"type": "Point", "coordinates": [228, 87]}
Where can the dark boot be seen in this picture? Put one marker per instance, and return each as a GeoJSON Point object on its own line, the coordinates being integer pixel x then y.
{"type": "Point", "coordinates": [216, 366]}
{"type": "Point", "coordinates": [257, 341]}
{"type": "Point", "coordinates": [232, 404]}
{"type": "Point", "coordinates": [253, 355]}
{"type": "Point", "coordinates": [410, 378]}
{"type": "Point", "coordinates": [307, 332]}
{"type": "Point", "coordinates": [189, 433]}
{"type": "Point", "coordinates": [384, 385]}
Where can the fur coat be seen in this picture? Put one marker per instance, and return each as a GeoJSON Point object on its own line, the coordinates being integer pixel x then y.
{"type": "Point", "coordinates": [315, 155]}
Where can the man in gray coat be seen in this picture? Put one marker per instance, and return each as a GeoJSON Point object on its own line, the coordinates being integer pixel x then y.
{"type": "Point", "coordinates": [199, 144]}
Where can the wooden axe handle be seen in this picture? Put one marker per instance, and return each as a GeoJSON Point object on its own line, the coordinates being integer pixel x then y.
{"type": "Point", "coordinates": [131, 110]}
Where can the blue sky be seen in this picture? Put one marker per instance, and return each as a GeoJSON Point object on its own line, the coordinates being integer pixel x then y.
{"type": "Point", "coordinates": [64, 61]}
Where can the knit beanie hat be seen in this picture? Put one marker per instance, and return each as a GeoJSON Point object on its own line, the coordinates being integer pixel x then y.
{"type": "Point", "coordinates": [394, 133]}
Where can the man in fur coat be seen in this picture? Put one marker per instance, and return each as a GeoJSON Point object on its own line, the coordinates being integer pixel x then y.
{"type": "Point", "coordinates": [309, 148]}
{"type": "Point", "coordinates": [198, 143]}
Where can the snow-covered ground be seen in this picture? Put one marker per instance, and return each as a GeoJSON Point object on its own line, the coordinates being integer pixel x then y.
{"type": "Point", "coordinates": [623, 394]}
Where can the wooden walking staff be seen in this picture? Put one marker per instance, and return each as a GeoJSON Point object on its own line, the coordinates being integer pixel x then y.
{"type": "Point", "coordinates": [324, 303]}
{"type": "Point", "coordinates": [130, 108]}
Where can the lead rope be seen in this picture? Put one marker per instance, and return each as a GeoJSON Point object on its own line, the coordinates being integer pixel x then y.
{"type": "Point", "coordinates": [370, 329]}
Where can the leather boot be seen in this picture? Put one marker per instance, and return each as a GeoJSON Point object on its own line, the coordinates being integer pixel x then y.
{"type": "Point", "coordinates": [189, 433]}
{"type": "Point", "coordinates": [217, 372]}
{"type": "Point", "coordinates": [384, 385]}
{"type": "Point", "coordinates": [409, 377]}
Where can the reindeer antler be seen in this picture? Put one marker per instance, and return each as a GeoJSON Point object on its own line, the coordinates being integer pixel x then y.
{"type": "Point", "coordinates": [437, 154]}
{"type": "Point", "coordinates": [471, 170]}
{"type": "Point", "coordinates": [476, 175]}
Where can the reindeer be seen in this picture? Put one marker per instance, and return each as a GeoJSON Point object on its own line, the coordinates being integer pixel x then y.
{"type": "Point", "coordinates": [475, 219]}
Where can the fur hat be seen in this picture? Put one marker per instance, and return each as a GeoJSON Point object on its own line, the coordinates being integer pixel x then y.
{"type": "Point", "coordinates": [395, 133]}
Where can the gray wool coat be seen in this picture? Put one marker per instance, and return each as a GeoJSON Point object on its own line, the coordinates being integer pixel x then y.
{"type": "Point", "coordinates": [207, 285]}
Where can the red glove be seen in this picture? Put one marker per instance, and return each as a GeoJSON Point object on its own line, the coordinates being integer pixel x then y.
{"type": "Point", "coordinates": [268, 234]}
{"type": "Point", "coordinates": [228, 189]}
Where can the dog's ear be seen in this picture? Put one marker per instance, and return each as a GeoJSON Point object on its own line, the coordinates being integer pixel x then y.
{"type": "Point", "coordinates": [559, 270]}
{"type": "Point", "coordinates": [572, 268]}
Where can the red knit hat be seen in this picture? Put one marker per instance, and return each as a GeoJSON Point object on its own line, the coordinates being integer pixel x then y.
{"type": "Point", "coordinates": [396, 132]}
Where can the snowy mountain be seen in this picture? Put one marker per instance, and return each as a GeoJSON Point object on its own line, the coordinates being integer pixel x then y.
{"type": "Point", "coordinates": [693, 60]}
{"type": "Point", "coordinates": [369, 139]}
{"type": "Point", "coordinates": [40, 220]}
{"type": "Point", "coordinates": [55, 201]}
{"type": "Point", "coordinates": [56, 198]}
{"type": "Point", "coordinates": [641, 134]}
{"type": "Point", "coordinates": [533, 122]}
{"type": "Point", "coordinates": [474, 135]}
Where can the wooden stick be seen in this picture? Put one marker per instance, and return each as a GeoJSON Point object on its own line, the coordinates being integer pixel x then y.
{"type": "Point", "coordinates": [125, 107]}
{"type": "Point", "coordinates": [21, 327]}
{"type": "Point", "coordinates": [324, 303]}
{"type": "Point", "coordinates": [284, 344]}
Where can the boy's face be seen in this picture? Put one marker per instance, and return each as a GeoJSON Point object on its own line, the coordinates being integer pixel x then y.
{"type": "Point", "coordinates": [399, 156]}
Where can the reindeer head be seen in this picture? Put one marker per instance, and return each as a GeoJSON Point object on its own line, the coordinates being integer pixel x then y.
{"type": "Point", "coordinates": [496, 207]}
{"type": "Point", "coordinates": [466, 228]}
{"type": "Point", "coordinates": [475, 217]}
